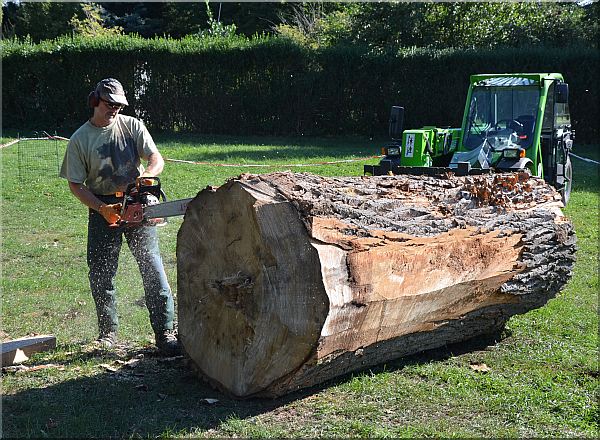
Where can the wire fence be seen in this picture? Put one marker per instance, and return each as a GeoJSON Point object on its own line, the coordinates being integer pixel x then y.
{"type": "Point", "coordinates": [39, 156]}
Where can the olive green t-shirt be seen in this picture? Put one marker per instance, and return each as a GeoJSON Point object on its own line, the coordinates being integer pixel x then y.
{"type": "Point", "coordinates": [107, 159]}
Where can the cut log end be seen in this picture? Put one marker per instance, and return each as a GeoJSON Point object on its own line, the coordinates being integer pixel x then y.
{"type": "Point", "coordinates": [283, 278]}
{"type": "Point", "coordinates": [254, 304]}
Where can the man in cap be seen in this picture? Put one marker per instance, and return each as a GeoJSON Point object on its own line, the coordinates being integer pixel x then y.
{"type": "Point", "coordinates": [103, 157]}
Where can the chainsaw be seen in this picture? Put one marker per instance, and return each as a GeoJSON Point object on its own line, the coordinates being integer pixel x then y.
{"type": "Point", "coordinates": [142, 204]}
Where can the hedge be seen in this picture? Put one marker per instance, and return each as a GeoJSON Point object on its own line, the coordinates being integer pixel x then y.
{"type": "Point", "coordinates": [269, 85]}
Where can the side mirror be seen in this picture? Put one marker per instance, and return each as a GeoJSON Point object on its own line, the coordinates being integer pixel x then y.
{"type": "Point", "coordinates": [396, 122]}
{"type": "Point", "coordinates": [562, 93]}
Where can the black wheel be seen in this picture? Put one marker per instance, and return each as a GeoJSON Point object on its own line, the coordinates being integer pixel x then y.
{"type": "Point", "coordinates": [565, 192]}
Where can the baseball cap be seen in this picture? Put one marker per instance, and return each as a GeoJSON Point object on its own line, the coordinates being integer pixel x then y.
{"type": "Point", "coordinates": [112, 91]}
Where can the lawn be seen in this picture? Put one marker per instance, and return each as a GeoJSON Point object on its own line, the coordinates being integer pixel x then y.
{"type": "Point", "coordinates": [542, 382]}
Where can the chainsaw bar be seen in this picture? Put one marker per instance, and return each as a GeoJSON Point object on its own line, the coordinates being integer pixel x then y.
{"type": "Point", "coordinates": [166, 209]}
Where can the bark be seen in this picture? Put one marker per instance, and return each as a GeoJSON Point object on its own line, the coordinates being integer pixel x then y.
{"type": "Point", "coordinates": [287, 280]}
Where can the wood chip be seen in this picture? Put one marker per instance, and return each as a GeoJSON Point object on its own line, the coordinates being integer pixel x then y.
{"type": "Point", "coordinates": [170, 359]}
{"type": "Point", "coordinates": [480, 367]}
{"type": "Point", "coordinates": [24, 368]}
{"type": "Point", "coordinates": [109, 368]}
{"type": "Point", "coordinates": [131, 363]}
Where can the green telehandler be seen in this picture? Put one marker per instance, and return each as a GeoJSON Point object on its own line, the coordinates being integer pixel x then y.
{"type": "Point", "coordinates": [511, 122]}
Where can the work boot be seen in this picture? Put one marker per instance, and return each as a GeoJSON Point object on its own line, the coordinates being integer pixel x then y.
{"type": "Point", "coordinates": [167, 343]}
{"type": "Point", "coordinates": [106, 340]}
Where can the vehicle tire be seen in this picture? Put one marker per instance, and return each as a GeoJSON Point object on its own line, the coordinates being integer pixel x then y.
{"type": "Point", "coordinates": [565, 192]}
{"type": "Point", "coordinates": [535, 173]}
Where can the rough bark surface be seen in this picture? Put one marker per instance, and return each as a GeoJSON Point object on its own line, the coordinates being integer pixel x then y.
{"type": "Point", "coordinates": [287, 280]}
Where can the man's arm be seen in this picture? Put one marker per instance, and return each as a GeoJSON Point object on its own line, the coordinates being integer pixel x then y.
{"type": "Point", "coordinates": [109, 212]}
{"type": "Point", "coordinates": [155, 166]}
{"type": "Point", "coordinates": [85, 196]}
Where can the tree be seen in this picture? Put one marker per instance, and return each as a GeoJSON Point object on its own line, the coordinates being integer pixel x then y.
{"type": "Point", "coordinates": [184, 18]}
{"type": "Point", "coordinates": [92, 23]}
{"type": "Point", "coordinates": [377, 25]}
{"type": "Point", "coordinates": [8, 19]}
{"type": "Point", "coordinates": [511, 24]}
{"type": "Point", "coordinates": [216, 28]}
{"type": "Point", "coordinates": [146, 19]}
{"type": "Point", "coordinates": [392, 25]}
{"type": "Point", "coordinates": [383, 25]}
{"type": "Point", "coordinates": [178, 19]}
{"type": "Point", "coordinates": [316, 23]}
{"type": "Point", "coordinates": [43, 20]}
{"type": "Point", "coordinates": [47, 20]}
{"type": "Point", "coordinates": [251, 18]}
{"type": "Point", "coordinates": [591, 23]}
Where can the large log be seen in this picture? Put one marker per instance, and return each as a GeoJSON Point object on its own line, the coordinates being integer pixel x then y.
{"type": "Point", "coordinates": [287, 280]}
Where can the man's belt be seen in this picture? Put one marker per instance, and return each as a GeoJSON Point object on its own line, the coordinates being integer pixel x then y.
{"type": "Point", "coordinates": [118, 195]}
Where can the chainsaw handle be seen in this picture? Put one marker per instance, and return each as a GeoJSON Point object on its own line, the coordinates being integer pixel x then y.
{"type": "Point", "coordinates": [138, 184]}
{"type": "Point", "coordinates": [136, 198]}
{"type": "Point", "coordinates": [154, 179]}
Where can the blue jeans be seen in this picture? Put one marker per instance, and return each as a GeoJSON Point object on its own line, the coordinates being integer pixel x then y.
{"type": "Point", "coordinates": [103, 248]}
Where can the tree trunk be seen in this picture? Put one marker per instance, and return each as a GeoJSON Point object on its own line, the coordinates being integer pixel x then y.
{"type": "Point", "coordinates": [287, 280]}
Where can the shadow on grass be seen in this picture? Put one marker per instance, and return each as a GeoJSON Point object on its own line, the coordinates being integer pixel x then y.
{"type": "Point", "coordinates": [252, 149]}
{"type": "Point", "coordinates": [586, 176]}
{"type": "Point", "coordinates": [274, 155]}
{"type": "Point", "coordinates": [185, 139]}
{"type": "Point", "coordinates": [154, 397]}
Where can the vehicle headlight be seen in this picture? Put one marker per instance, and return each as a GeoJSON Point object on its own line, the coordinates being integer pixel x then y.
{"type": "Point", "coordinates": [393, 151]}
{"type": "Point", "coordinates": [513, 153]}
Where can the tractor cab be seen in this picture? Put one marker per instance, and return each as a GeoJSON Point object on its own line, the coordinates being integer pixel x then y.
{"type": "Point", "coordinates": [502, 115]}
{"type": "Point", "coordinates": [518, 121]}
{"type": "Point", "coordinates": [511, 122]}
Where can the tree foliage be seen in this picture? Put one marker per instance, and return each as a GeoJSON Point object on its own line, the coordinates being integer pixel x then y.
{"type": "Point", "coordinates": [92, 23]}
{"type": "Point", "coordinates": [216, 28]}
{"type": "Point", "coordinates": [381, 26]}
{"type": "Point", "coordinates": [47, 20]}
{"type": "Point", "coordinates": [315, 24]}
{"type": "Point", "coordinates": [182, 19]}
{"type": "Point", "coordinates": [39, 20]}
{"type": "Point", "coordinates": [392, 25]}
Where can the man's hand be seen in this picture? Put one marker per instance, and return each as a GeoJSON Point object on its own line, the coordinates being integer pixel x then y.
{"type": "Point", "coordinates": [144, 180]}
{"type": "Point", "coordinates": [155, 165]}
{"type": "Point", "coordinates": [110, 212]}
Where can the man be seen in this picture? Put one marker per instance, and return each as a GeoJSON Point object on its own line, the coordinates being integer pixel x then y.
{"type": "Point", "coordinates": [104, 156]}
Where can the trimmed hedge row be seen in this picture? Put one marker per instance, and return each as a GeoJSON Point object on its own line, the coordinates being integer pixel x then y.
{"type": "Point", "coordinates": [270, 85]}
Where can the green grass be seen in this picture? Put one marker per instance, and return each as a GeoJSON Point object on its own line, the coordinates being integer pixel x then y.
{"type": "Point", "coordinates": [543, 380]}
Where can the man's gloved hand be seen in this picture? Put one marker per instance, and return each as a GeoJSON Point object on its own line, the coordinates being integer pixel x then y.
{"type": "Point", "coordinates": [144, 180]}
{"type": "Point", "coordinates": [110, 212]}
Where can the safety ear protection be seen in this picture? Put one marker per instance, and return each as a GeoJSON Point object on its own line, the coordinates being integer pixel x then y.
{"type": "Point", "coordinates": [94, 99]}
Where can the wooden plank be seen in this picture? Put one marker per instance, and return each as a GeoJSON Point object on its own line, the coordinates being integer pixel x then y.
{"type": "Point", "coordinates": [19, 350]}
{"type": "Point", "coordinates": [8, 144]}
